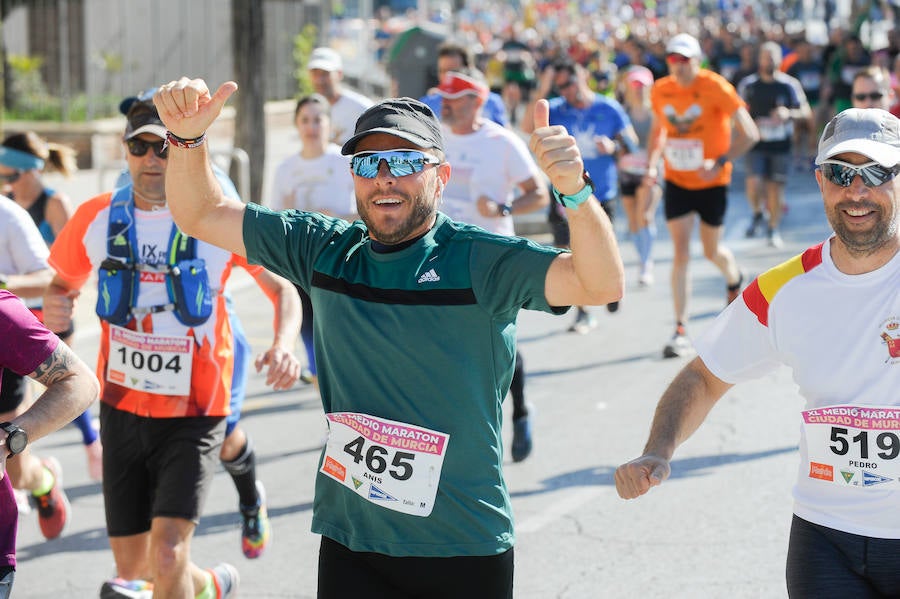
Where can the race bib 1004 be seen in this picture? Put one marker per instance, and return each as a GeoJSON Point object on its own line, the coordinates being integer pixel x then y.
{"type": "Point", "coordinates": [152, 363]}
{"type": "Point", "coordinates": [392, 464]}
{"type": "Point", "coordinates": [853, 445]}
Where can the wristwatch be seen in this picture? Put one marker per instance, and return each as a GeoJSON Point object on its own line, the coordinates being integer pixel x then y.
{"type": "Point", "coordinates": [16, 438]}
{"type": "Point", "coordinates": [575, 200]}
{"type": "Point", "coordinates": [504, 209]}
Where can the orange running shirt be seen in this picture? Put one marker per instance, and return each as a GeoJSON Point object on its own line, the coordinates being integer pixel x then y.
{"type": "Point", "coordinates": [697, 120]}
{"type": "Point", "coordinates": [76, 255]}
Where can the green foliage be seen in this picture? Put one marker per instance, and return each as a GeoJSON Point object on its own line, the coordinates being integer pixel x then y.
{"type": "Point", "coordinates": [304, 42]}
{"type": "Point", "coordinates": [31, 101]}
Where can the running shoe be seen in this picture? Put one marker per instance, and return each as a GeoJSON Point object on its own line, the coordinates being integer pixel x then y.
{"type": "Point", "coordinates": [774, 238]}
{"type": "Point", "coordinates": [645, 278]}
{"type": "Point", "coordinates": [733, 291]}
{"type": "Point", "coordinates": [226, 580]}
{"type": "Point", "coordinates": [583, 324]}
{"type": "Point", "coordinates": [95, 460]}
{"type": "Point", "coordinates": [132, 589]}
{"type": "Point", "coordinates": [679, 346]}
{"type": "Point", "coordinates": [522, 443]}
{"type": "Point", "coordinates": [53, 507]}
{"type": "Point", "coordinates": [755, 225]}
{"type": "Point", "coordinates": [612, 307]}
{"type": "Point", "coordinates": [255, 528]}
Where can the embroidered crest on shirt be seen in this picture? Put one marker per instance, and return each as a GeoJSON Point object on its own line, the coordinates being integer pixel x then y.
{"type": "Point", "coordinates": [890, 333]}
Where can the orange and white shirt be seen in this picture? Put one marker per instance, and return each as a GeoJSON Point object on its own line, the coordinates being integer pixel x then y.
{"type": "Point", "coordinates": [157, 367]}
{"type": "Point", "coordinates": [697, 121]}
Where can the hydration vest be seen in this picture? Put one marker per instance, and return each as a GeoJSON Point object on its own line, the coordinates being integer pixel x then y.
{"type": "Point", "coordinates": [187, 281]}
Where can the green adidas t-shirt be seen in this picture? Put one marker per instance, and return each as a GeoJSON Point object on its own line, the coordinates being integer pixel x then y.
{"type": "Point", "coordinates": [420, 345]}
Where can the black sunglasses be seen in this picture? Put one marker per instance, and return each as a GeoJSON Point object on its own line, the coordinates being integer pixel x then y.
{"type": "Point", "coordinates": [872, 174]}
{"type": "Point", "coordinates": [139, 147]}
{"type": "Point", "coordinates": [873, 96]}
{"type": "Point", "coordinates": [12, 177]}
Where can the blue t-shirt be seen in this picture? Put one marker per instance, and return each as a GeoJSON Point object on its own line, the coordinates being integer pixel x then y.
{"type": "Point", "coordinates": [604, 116]}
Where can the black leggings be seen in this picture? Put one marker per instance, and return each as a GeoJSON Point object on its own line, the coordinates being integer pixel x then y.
{"type": "Point", "coordinates": [824, 563]}
{"type": "Point", "coordinates": [381, 576]}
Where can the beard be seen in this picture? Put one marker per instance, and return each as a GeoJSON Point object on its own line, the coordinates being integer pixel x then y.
{"type": "Point", "coordinates": [863, 242]}
{"type": "Point", "coordinates": [394, 232]}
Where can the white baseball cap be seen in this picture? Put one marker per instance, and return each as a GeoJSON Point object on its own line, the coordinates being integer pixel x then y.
{"type": "Point", "coordinates": [684, 44]}
{"type": "Point", "coordinates": [872, 132]}
{"type": "Point", "coordinates": [325, 59]}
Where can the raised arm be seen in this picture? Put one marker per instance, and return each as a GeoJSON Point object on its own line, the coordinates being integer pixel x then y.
{"type": "Point", "coordinates": [195, 198]}
{"type": "Point", "coordinates": [681, 410]}
{"type": "Point", "coordinates": [592, 274]}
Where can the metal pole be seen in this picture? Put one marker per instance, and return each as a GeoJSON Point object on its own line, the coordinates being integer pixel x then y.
{"type": "Point", "coordinates": [64, 91]}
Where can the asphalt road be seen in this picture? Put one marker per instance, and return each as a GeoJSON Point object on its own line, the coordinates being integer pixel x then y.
{"type": "Point", "coordinates": [717, 528]}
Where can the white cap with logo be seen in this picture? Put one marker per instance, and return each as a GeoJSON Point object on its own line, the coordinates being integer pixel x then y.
{"type": "Point", "coordinates": [872, 132]}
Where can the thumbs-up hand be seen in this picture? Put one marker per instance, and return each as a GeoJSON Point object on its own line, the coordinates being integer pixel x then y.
{"type": "Point", "coordinates": [186, 107]}
{"type": "Point", "coordinates": [556, 152]}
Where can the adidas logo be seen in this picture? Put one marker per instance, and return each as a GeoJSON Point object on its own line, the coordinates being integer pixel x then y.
{"type": "Point", "coordinates": [429, 277]}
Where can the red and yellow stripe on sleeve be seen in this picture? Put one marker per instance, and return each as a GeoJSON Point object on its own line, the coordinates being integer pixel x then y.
{"type": "Point", "coordinates": [760, 292]}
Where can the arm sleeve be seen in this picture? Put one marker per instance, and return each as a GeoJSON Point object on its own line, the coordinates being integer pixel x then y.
{"type": "Point", "coordinates": [27, 342]}
{"type": "Point", "coordinates": [27, 249]}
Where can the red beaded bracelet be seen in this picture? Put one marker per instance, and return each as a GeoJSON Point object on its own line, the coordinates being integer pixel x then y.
{"type": "Point", "coordinates": [180, 142]}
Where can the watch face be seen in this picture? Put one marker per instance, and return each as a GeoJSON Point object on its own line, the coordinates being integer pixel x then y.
{"type": "Point", "coordinates": [16, 441]}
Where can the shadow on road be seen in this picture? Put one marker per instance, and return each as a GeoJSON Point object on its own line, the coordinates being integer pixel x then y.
{"type": "Point", "coordinates": [681, 468]}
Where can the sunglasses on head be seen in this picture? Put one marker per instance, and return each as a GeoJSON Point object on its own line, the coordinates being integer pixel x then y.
{"type": "Point", "coordinates": [677, 58]}
{"type": "Point", "coordinates": [872, 174]}
{"type": "Point", "coordinates": [139, 147]}
{"type": "Point", "coordinates": [400, 162]}
{"type": "Point", "coordinates": [11, 177]}
{"type": "Point", "coordinates": [873, 96]}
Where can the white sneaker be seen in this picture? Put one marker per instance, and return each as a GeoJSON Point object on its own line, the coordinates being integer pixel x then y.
{"type": "Point", "coordinates": [679, 346]}
{"type": "Point", "coordinates": [775, 240]}
{"type": "Point", "coordinates": [645, 278]}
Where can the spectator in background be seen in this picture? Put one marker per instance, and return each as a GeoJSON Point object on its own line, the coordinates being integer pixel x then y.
{"type": "Point", "coordinates": [494, 177]}
{"type": "Point", "coordinates": [842, 66]}
{"type": "Point", "coordinates": [453, 56]}
{"type": "Point", "coordinates": [808, 70]}
{"type": "Point", "coordinates": [747, 66]}
{"type": "Point", "coordinates": [640, 196]}
{"type": "Point", "coordinates": [23, 157]}
{"type": "Point", "coordinates": [24, 272]}
{"type": "Point", "coordinates": [326, 71]}
{"type": "Point", "coordinates": [872, 89]}
{"type": "Point", "coordinates": [774, 100]}
{"type": "Point", "coordinates": [163, 427]}
{"type": "Point", "coordinates": [696, 113]}
{"type": "Point", "coordinates": [601, 129]}
{"type": "Point", "coordinates": [727, 60]}
{"type": "Point", "coordinates": [30, 349]}
{"type": "Point", "coordinates": [317, 179]}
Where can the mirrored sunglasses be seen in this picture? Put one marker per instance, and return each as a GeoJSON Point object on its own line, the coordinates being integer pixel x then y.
{"type": "Point", "coordinates": [139, 147]}
{"type": "Point", "coordinates": [872, 174]}
{"type": "Point", "coordinates": [400, 162]}
{"type": "Point", "coordinates": [11, 177]}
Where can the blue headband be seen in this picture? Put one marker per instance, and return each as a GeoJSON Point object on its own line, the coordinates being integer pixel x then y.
{"type": "Point", "coordinates": [22, 161]}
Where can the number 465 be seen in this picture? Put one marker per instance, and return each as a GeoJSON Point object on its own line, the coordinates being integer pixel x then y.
{"type": "Point", "coordinates": [375, 458]}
